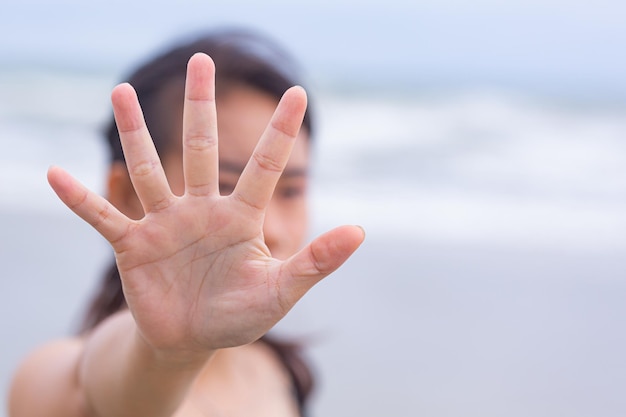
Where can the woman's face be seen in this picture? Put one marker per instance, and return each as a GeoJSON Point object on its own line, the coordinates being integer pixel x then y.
{"type": "Point", "coordinates": [242, 114]}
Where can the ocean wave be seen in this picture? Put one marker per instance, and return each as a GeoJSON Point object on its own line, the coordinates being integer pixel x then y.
{"type": "Point", "coordinates": [471, 166]}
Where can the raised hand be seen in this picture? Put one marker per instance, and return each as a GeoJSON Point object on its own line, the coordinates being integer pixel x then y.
{"type": "Point", "coordinates": [196, 273]}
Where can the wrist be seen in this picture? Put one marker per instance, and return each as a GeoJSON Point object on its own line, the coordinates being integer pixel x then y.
{"type": "Point", "coordinates": [172, 358]}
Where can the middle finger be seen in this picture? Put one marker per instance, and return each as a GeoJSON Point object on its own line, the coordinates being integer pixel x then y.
{"type": "Point", "coordinates": [200, 158]}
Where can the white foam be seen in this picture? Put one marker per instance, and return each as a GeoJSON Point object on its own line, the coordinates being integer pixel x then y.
{"type": "Point", "coordinates": [472, 166]}
{"type": "Point", "coordinates": [475, 167]}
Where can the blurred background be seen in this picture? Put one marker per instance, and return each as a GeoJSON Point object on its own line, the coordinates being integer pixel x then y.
{"type": "Point", "coordinates": [482, 146]}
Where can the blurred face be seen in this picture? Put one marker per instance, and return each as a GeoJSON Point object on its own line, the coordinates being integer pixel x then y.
{"type": "Point", "coordinates": [243, 114]}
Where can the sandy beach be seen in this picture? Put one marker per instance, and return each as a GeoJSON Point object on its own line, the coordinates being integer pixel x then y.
{"type": "Point", "coordinates": [407, 327]}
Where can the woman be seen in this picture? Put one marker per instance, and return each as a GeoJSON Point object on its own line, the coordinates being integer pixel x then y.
{"type": "Point", "coordinates": [208, 246]}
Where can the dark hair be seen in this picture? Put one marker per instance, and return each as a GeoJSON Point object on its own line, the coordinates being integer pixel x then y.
{"type": "Point", "coordinates": [241, 58]}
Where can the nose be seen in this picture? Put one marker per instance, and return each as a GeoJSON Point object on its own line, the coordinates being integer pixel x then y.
{"type": "Point", "coordinates": [274, 231]}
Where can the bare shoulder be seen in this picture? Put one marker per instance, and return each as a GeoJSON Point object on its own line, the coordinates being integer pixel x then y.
{"type": "Point", "coordinates": [46, 384]}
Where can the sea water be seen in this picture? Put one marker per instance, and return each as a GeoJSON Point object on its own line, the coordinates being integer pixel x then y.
{"type": "Point", "coordinates": [492, 279]}
{"type": "Point", "coordinates": [470, 165]}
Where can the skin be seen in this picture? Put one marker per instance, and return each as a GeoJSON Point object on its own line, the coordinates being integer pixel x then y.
{"type": "Point", "coordinates": [204, 274]}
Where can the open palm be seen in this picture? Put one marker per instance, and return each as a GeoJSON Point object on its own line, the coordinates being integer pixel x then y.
{"type": "Point", "coordinates": [195, 270]}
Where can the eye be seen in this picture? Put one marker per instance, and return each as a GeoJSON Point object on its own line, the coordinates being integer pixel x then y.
{"type": "Point", "coordinates": [289, 192]}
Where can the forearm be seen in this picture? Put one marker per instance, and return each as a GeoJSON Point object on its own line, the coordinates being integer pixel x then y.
{"type": "Point", "coordinates": [123, 376]}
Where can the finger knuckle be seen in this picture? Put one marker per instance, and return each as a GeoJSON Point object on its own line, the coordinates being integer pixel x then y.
{"type": "Point", "coordinates": [267, 163]}
{"type": "Point", "coordinates": [200, 142]}
{"type": "Point", "coordinates": [285, 127]}
{"type": "Point", "coordinates": [144, 168]}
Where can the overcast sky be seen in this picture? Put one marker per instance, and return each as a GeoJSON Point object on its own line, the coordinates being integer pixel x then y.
{"type": "Point", "coordinates": [564, 45]}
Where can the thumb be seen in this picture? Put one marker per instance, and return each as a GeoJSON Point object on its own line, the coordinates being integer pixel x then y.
{"type": "Point", "coordinates": [320, 258]}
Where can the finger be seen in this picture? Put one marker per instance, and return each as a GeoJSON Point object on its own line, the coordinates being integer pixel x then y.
{"type": "Point", "coordinates": [258, 180]}
{"type": "Point", "coordinates": [89, 206]}
{"type": "Point", "coordinates": [200, 157]}
{"type": "Point", "coordinates": [317, 260]}
{"type": "Point", "coordinates": [142, 160]}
